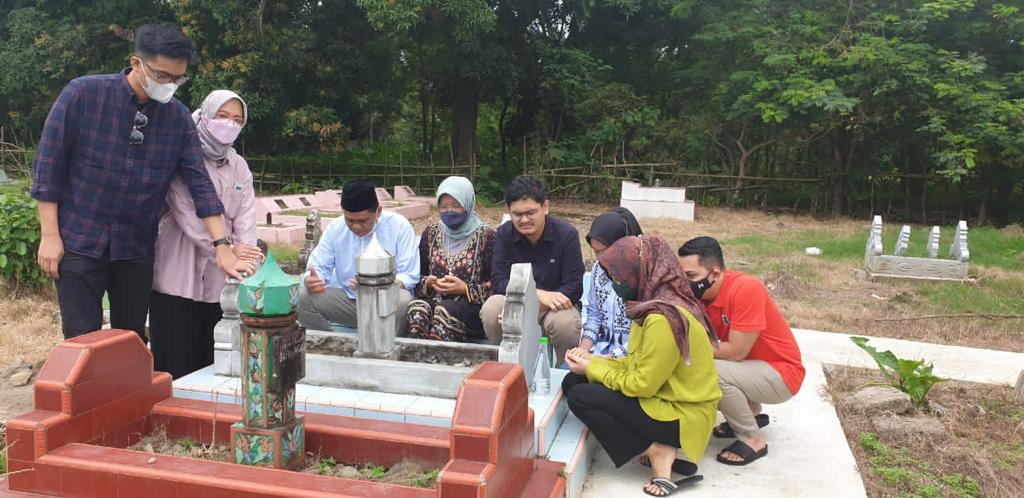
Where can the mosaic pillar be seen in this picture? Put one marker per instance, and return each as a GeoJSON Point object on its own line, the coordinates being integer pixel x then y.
{"type": "Point", "coordinates": [273, 361]}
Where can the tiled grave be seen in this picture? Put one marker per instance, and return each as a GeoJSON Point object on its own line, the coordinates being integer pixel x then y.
{"type": "Point", "coordinates": [97, 394]}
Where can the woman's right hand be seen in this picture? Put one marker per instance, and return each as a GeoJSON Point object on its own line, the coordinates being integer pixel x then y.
{"type": "Point", "coordinates": [429, 282]}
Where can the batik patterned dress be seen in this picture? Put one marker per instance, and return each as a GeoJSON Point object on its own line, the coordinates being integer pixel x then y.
{"type": "Point", "coordinates": [607, 326]}
{"type": "Point", "coordinates": [451, 317]}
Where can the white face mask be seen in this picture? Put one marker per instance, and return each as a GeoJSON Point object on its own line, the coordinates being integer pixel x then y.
{"type": "Point", "coordinates": [160, 92]}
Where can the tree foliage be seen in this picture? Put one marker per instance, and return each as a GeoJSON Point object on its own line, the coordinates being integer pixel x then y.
{"type": "Point", "coordinates": [917, 104]}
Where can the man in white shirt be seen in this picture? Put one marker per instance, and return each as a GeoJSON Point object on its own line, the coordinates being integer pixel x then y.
{"type": "Point", "coordinates": [328, 293]}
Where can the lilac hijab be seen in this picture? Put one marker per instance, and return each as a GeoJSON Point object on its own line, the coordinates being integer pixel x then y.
{"type": "Point", "coordinates": [212, 149]}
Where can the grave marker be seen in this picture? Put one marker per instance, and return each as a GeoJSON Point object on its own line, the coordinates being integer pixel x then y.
{"type": "Point", "coordinates": [903, 241]}
{"type": "Point", "coordinates": [227, 332]}
{"type": "Point", "coordinates": [520, 339]}
{"type": "Point", "coordinates": [933, 243]}
{"type": "Point", "coordinates": [958, 250]}
{"type": "Point", "coordinates": [273, 361]}
{"type": "Point", "coordinates": [314, 230]}
{"type": "Point", "coordinates": [656, 202]}
{"type": "Point", "coordinates": [376, 302]}
{"type": "Point", "coordinates": [898, 266]}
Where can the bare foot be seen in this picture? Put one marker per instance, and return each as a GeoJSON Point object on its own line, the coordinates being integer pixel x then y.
{"type": "Point", "coordinates": [756, 444]}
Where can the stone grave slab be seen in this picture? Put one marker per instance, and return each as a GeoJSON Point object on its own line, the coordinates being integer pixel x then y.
{"type": "Point", "coordinates": [879, 265]}
{"type": "Point", "coordinates": [656, 202]}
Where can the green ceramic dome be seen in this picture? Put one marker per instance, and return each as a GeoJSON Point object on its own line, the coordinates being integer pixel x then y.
{"type": "Point", "coordinates": [269, 292]}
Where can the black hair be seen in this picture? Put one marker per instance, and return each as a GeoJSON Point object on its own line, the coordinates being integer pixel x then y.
{"type": "Point", "coordinates": [707, 249]}
{"type": "Point", "coordinates": [525, 187]}
{"type": "Point", "coordinates": [164, 39]}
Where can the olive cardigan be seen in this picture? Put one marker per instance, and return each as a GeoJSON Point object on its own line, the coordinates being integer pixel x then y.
{"type": "Point", "coordinates": [653, 370]}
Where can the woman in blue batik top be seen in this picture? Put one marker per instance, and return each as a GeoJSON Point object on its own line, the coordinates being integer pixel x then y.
{"type": "Point", "coordinates": [606, 331]}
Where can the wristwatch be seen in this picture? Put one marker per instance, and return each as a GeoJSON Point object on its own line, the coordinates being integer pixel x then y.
{"type": "Point", "coordinates": [222, 240]}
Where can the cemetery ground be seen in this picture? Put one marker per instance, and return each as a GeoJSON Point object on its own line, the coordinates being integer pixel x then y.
{"type": "Point", "coordinates": [825, 292]}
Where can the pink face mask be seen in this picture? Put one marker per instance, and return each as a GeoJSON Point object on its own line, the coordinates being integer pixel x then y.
{"type": "Point", "coordinates": [224, 131]}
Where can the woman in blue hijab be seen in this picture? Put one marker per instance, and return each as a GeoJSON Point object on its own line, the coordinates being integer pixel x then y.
{"type": "Point", "coordinates": [455, 264]}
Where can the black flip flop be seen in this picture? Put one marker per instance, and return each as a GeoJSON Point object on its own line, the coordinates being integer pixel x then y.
{"type": "Point", "coordinates": [724, 430]}
{"type": "Point", "coordinates": [679, 466]}
{"type": "Point", "coordinates": [668, 487]}
{"type": "Point", "coordinates": [744, 451]}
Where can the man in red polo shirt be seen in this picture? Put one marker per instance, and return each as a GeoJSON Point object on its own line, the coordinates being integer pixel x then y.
{"type": "Point", "coordinates": [758, 360]}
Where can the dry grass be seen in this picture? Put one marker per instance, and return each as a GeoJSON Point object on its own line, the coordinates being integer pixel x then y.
{"type": "Point", "coordinates": [986, 439]}
{"type": "Point", "coordinates": [28, 327]}
{"type": "Point", "coordinates": [405, 473]}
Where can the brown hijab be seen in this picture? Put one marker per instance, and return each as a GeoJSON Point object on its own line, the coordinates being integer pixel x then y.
{"type": "Point", "coordinates": [650, 266]}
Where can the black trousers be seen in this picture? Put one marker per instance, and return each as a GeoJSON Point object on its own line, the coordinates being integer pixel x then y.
{"type": "Point", "coordinates": [181, 333]}
{"type": "Point", "coordinates": [84, 279]}
{"type": "Point", "coordinates": [617, 421]}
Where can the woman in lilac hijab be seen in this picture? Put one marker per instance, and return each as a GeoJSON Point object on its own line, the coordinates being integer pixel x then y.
{"type": "Point", "coordinates": [185, 304]}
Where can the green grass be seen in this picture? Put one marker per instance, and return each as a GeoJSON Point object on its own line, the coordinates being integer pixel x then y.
{"type": "Point", "coordinates": [992, 295]}
{"type": "Point", "coordinates": [901, 469]}
{"type": "Point", "coordinates": [283, 253]}
{"type": "Point", "coordinates": [3, 461]}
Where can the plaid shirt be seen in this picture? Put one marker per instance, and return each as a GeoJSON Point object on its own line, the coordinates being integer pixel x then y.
{"type": "Point", "coordinates": [110, 193]}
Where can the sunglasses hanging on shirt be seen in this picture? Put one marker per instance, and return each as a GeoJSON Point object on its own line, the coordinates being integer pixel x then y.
{"type": "Point", "coordinates": [137, 137]}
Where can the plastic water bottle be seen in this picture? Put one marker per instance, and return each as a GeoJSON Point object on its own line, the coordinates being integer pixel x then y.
{"type": "Point", "coordinates": [542, 377]}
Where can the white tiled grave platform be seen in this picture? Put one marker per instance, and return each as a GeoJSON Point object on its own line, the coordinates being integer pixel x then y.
{"type": "Point", "coordinates": [560, 436]}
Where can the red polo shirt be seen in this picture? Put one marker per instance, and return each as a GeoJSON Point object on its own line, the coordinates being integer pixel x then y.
{"type": "Point", "coordinates": [743, 304]}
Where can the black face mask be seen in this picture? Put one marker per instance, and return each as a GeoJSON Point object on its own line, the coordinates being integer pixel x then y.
{"type": "Point", "coordinates": [625, 292]}
{"type": "Point", "coordinates": [699, 287]}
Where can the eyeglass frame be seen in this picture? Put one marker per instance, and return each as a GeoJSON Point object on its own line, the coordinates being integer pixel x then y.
{"type": "Point", "coordinates": [162, 77]}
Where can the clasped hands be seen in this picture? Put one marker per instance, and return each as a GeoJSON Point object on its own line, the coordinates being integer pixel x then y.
{"type": "Point", "coordinates": [578, 360]}
{"type": "Point", "coordinates": [447, 285]}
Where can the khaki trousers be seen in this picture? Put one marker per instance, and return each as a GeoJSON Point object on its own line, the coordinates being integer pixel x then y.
{"type": "Point", "coordinates": [562, 328]}
{"type": "Point", "coordinates": [319, 311]}
{"type": "Point", "coordinates": [744, 383]}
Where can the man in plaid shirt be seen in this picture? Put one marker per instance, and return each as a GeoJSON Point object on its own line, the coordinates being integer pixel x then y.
{"type": "Point", "coordinates": [108, 151]}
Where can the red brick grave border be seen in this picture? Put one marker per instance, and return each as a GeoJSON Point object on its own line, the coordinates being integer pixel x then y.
{"type": "Point", "coordinates": [97, 394]}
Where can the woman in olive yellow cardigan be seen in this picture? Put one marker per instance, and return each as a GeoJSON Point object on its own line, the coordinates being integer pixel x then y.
{"type": "Point", "coordinates": [664, 393]}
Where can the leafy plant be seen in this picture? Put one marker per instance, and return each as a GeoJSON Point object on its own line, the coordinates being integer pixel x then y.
{"type": "Point", "coordinates": [3, 461]}
{"type": "Point", "coordinates": [187, 444]}
{"type": "Point", "coordinates": [376, 471]}
{"type": "Point", "coordinates": [327, 465]}
{"type": "Point", "coordinates": [913, 377]}
{"type": "Point", "coordinates": [427, 480]}
{"type": "Point", "coordinates": [19, 240]}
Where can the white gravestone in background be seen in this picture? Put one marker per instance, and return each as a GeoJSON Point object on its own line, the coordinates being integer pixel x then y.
{"type": "Point", "coordinates": [931, 268]}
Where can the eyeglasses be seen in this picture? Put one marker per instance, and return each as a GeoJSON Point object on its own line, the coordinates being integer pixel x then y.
{"type": "Point", "coordinates": [137, 137]}
{"type": "Point", "coordinates": [162, 77]}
